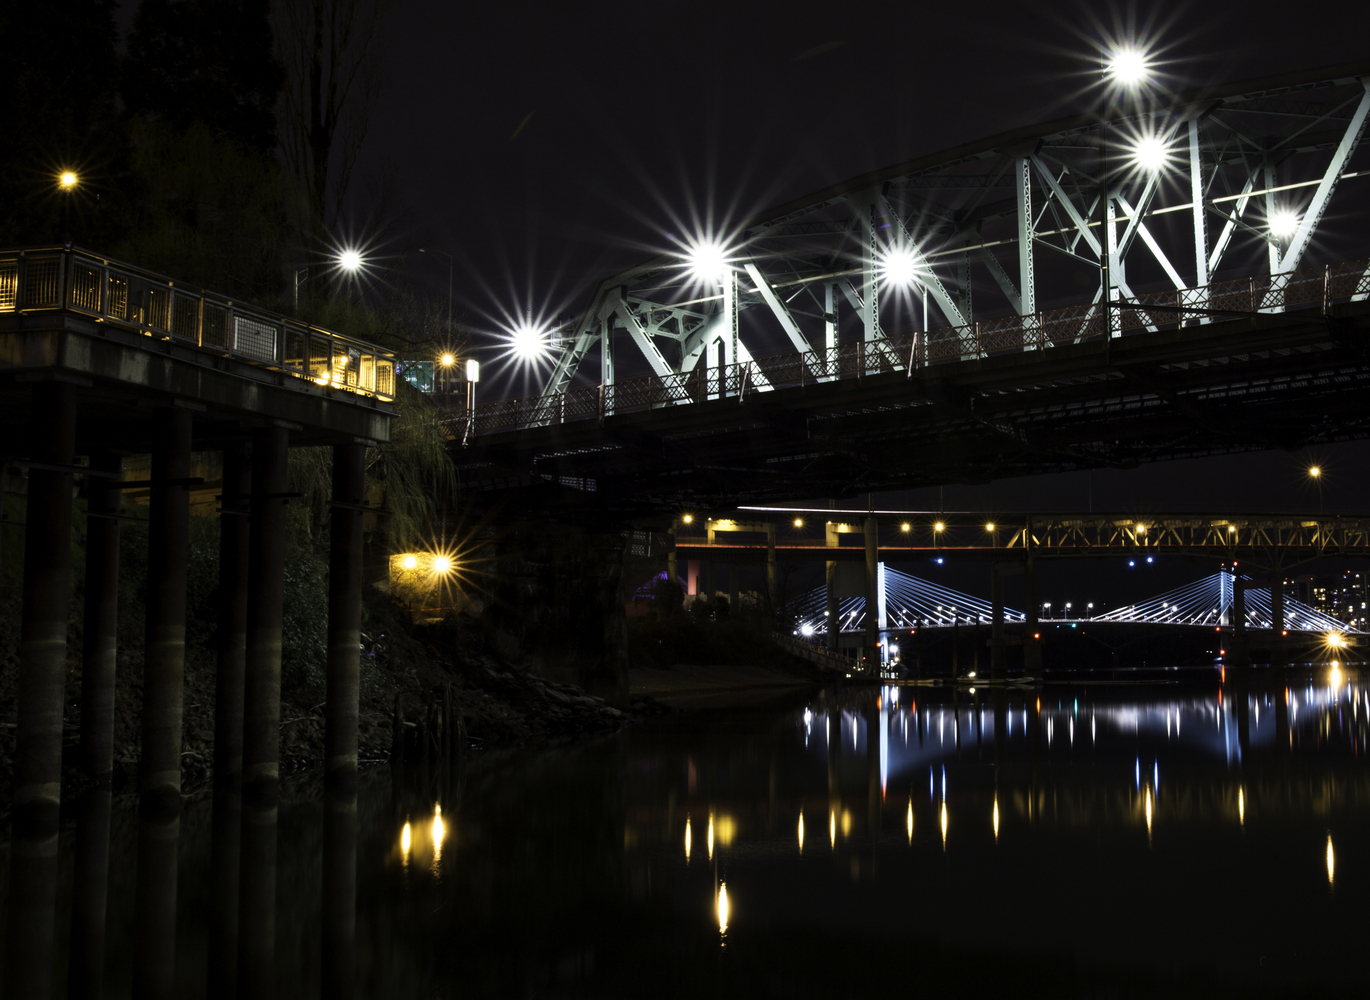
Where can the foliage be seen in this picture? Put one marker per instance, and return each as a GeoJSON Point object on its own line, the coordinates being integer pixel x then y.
{"type": "Point", "coordinates": [206, 62]}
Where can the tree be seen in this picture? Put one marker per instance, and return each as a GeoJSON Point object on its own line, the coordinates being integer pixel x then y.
{"type": "Point", "coordinates": [206, 61]}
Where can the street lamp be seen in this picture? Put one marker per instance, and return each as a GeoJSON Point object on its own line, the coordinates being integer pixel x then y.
{"type": "Point", "coordinates": [1091, 610]}
{"type": "Point", "coordinates": [348, 260]}
{"type": "Point", "coordinates": [68, 180]}
{"type": "Point", "coordinates": [1315, 474]}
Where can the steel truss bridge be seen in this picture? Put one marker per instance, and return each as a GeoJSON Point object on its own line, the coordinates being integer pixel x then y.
{"type": "Point", "coordinates": [1235, 316]}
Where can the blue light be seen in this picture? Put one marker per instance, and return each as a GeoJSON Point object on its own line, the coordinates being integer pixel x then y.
{"type": "Point", "coordinates": [1132, 562]}
{"type": "Point", "coordinates": [939, 561]}
{"type": "Point", "coordinates": [1149, 559]}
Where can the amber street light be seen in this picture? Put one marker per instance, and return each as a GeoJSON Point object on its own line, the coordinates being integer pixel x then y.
{"type": "Point", "coordinates": [1315, 474]}
{"type": "Point", "coordinates": [67, 180]}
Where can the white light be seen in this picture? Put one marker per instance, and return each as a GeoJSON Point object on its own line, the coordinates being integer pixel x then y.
{"type": "Point", "coordinates": [1129, 67]}
{"type": "Point", "coordinates": [708, 260]}
{"type": "Point", "coordinates": [350, 260]}
{"type": "Point", "coordinates": [900, 267]}
{"type": "Point", "coordinates": [1151, 153]}
{"type": "Point", "coordinates": [473, 371]}
{"type": "Point", "coordinates": [529, 342]}
{"type": "Point", "coordinates": [806, 629]}
{"type": "Point", "coordinates": [1284, 224]}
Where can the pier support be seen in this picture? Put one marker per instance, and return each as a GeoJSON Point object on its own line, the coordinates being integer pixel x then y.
{"type": "Point", "coordinates": [266, 565]}
{"type": "Point", "coordinates": [996, 640]}
{"type": "Point", "coordinates": [234, 541]}
{"type": "Point", "coordinates": [1241, 649]}
{"type": "Point", "coordinates": [1278, 652]}
{"type": "Point", "coordinates": [834, 626]}
{"type": "Point", "coordinates": [165, 648]}
{"type": "Point", "coordinates": [344, 615]}
{"type": "Point", "coordinates": [871, 653]}
{"type": "Point", "coordinates": [1032, 645]}
{"type": "Point", "coordinates": [100, 642]}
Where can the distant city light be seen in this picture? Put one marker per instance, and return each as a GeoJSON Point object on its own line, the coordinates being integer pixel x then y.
{"type": "Point", "coordinates": [688, 519]}
{"type": "Point", "coordinates": [990, 526]}
{"type": "Point", "coordinates": [1314, 471]}
{"type": "Point", "coordinates": [410, 562]}
{"type": "Point", "coordinates": [1129, 67]}
{"type": "Point", "coordinates": [938, 526]}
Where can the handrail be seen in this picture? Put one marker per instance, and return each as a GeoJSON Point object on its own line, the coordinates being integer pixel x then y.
{"type": "Point", "coordinates": [67, 279]}
{"type": "Point", "coordinates": [1039, 331]}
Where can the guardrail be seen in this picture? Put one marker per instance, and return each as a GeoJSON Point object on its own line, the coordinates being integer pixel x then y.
{"type": "Point", "coordinates": [1319, 286]}
{"type": "Point", "coordinates": [80, 282]}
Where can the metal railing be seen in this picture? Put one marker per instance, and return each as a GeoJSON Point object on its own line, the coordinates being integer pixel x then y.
{"type": "Point", "coordinates": [1320, 286]}
{"type": "Point", "coordinates": [77, 281]}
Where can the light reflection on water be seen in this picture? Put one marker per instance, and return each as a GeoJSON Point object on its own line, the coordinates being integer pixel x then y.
{"type": "Point", "coordinates": [561, 872]}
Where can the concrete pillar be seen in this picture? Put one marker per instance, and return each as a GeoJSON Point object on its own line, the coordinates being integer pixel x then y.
{"type": "Point", "coordinates": [159, 828]}
{"type": "Point", "coordinates": [266, 565]}
{"type": "Point", "coordinates": [47, 601]}
{"type": "Point", "coordinates": [234, 541]}
{"type": "Point", "coordinates": [262, 715]}
{"type": "Point", "coordinates": [1277, 644]}
{"type": "Point", "coordinates": [165, 648]}
{"type": "Point", "coordinates": [100, 644]}
{"type": "Point", "coordinates": [834, 626]}
{"type": "Point", "coordinates": [997, 648]}
{"type": "Point", "coordinates": [1241, 647]}
{"type": "Point", "coordinates": [344, 615]}
{"type": "Point", "coordinates": [339, 909]}
{"type": "Point", "coordinates": [225, 874]}
{"type": "Point", "coordinates": [89, 893]}
{"type": "Point", "coordinates": [771, 596]}
{"type": "Point", "coordinates": [42, 674]}
{"type": "Point", "coordinates": [871, 654]}
{"type": "Point", "coordinates": [692, 578]}
{"type": "Point", "coordinates": [1032, 645]}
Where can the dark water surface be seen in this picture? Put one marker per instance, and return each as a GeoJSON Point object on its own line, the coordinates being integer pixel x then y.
{"type": "Point", "coordinates": [1170, 838]}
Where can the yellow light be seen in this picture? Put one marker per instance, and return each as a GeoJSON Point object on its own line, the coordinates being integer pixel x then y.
{"type": "Point", "coordinates": [904, 526]}
{"type": "Point", "coordinates": [1148, 812]}
{"type": "Point", "coordinates": [710, 839]}
{"type": "Point", "coordinates": [1314, 471]}
{"type": "Point", "coordinates": [996, 817]}
{"type": "Point", "coordinates": [1335, 640]}
{"type": "Point", "coordinates": [1141, 529]}
{"type": "Point", "coordinates": [442, 565]}
{"type": "Point", "coordinates": [410, 562]}
{"type": "Point", "coordinates": [990, 526]}
{"type": "Point", "coordinates": [1336, 675]}
{"type": "Point", "coordinates": [67, 180]}
{"type": "Point", "coordinates": [909, 821]}
{"type": "Point", "coordinates": [1331, 861]}
{"type": "Point", "coordinates": [722, 906]}
{"type": "Point", "coordinates": [1241, 806]}
{"type": "Point", "coordinates": [801, 833]}
{"type": "Point", "coordinates": [687, 840]}
{"type": "Point", "coordinates": [846, 822]}
{"type": "Point", "coordinates": [1231, 529]}
{"type": "Point", "coordinates": [832, 828]}
{"type": "Point", "coordinates": [439, 829]}
{"type": "Point", "coordinates": [799, 522]}
{"type": "Point", "coordinates": [406, 838]}
{"type": "Point", "coordinates": [688, 519]}
{"type": "Point", "coordinates": [448, 360]}
{"type": "Point", "coordinates": [944, 826]}
{"type": "Point", "coordinates": [938, 526]}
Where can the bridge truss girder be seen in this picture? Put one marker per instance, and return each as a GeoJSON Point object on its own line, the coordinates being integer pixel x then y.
{"type": "Point", "coordinates": [985, 210]}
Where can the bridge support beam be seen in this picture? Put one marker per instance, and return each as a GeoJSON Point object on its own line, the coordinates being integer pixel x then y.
{"type": "Point", "coordinates": [100, 650]}
{"type": "Point", "coordinates": [165, 650]}
{"type": "Point", "coordinates": [1032, 646]}
{"type": "Point", "coordinates": [266, 588]}
{"type": "Point", "coordinates": [871, 653]}
{"type": "Point", "coordinates": [996, 640]}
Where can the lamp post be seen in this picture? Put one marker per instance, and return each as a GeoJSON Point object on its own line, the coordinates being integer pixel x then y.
{"type": "Point", "coordinates": [1315, 474]}
{"type": "Point", "coordinates": [1128, 68]}
{"type": "Point", "coordinates": [347, 260]}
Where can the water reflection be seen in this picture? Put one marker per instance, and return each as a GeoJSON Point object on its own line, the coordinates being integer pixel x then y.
{"type": "Point", "coordinates": [571, 879]}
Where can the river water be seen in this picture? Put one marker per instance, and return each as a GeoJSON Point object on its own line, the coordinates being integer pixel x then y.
{"type": "Point", "coordinates": [1166, 836]}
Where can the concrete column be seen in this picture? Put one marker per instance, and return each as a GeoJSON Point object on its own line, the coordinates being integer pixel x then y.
{"type": "Point", "coordinates": [833, 624]}
{"type": "Point", "coordinates": [165, 649]}
{"type": "Point", "coordinates": [692, 578]}
{"type": "Point", "coordinates": [266, 565]}
{"type": "Point", "coordinates": [47, 601]}
{"type": "Point", "coordinates": [871, 655]}
{"type": "Point", "coordinates": [997, 648]}
{"type": "Point", "coordinates": [234, 541]}
{"type": "Point", "coordinates": [225, 874]}
{"type": "Point", "coordinates": [1277, 645]}
{"type": "Point", "coordinates": [262, 715]}
{"type": "Point", "coordinates": [1032, 646]}
{"type": "Point", "coordinates": [89, 892]}
{"type": "Point", "coordinates": [1241, 648]}
{"type": "Point", "coordinates": [344, 615]}
{"type": "Point", "coordinates": [100, 647]}
{"type": "Point", "coordinates": [771, 595]}
{"type": "Point", "coordinates": [159, 827]}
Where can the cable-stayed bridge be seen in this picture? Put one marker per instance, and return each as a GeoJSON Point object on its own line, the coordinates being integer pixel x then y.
{"type": "Point", "coordinates": [1181, 275]}
{"type": "Point", "coordinates": [907, 602]}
